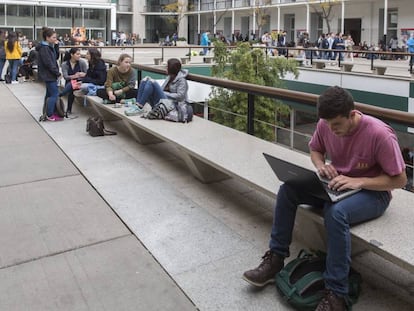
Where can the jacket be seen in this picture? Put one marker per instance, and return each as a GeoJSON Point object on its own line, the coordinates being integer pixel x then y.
{"type": "Point", "coordinates": [67, 70]}
{"type": "Point", "coordinates": [178, 88]}
{"type": "Point", "coordinates": [16, 53]}
{"type": "Point", "coordinates": [96, 74]}
{"type": "Point", "coordinates": [48, 69]}
{"type": "Point", "coordinates": [114, 75]}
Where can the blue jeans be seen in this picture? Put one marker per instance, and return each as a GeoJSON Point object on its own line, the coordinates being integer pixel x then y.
{"type": "Point", "coordinates": [52, 93]}
{"type": "Point", "coordinates": [14, 64]}
{"type": "Point", "coordinates": [68, 90]}
{"type": "Point", "coordinates": [149, 91]}
{"type": "Point", "coordinates": [2, 62]}
{"type": "Point", "coordinates": [360, 207]}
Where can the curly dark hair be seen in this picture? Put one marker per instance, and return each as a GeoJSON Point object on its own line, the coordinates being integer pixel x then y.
{"type": "Point", "coordinates": [334, 102]}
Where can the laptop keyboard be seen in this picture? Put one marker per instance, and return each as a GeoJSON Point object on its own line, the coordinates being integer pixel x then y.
{"type": "Point", "coordinates": [332, 191]}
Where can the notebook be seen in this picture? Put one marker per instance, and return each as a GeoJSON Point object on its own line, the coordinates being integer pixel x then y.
{"type": "Point", "coordinates": [309, 180]}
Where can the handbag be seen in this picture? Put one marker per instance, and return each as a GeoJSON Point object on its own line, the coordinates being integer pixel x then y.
{"type": "Point", "coordinates": [95, 127]}
{"type": "Point", "coordinates": [76, 85]}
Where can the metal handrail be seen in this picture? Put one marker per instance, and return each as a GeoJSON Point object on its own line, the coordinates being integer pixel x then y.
{"type": "Point", "coordinates": [389, 115]}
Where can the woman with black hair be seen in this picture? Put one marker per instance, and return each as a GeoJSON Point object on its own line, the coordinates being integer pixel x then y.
{"type": "Point", "coordinates": [96, 75]}
{"type": "Point", "coordinates": [73, 70]}
{"type": "Point", "coordinates": [13, 54]}
{"type": "Point", "coordinates": [175, 87]}
{"type": "Point", "coordinates": [48, 71]}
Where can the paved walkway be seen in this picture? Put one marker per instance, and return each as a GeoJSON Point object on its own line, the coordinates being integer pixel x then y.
{"type": "Point", "coordinates": [107, 224]}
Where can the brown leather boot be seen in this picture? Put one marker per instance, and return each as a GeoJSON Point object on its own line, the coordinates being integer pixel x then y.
{"type": "Point", "coordinates": [265, 273]}
{"type": "Point", "coordinates": [331, 302]}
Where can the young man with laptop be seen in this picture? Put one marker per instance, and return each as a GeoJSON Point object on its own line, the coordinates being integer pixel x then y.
{"type": "Point", "coordinates": [364, 154]}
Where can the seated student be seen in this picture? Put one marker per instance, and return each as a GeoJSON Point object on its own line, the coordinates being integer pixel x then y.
{"type": "Point", "coordinates": [364, 153]}
{"type": "Point", "coordinates": [96, 75]}
{"type": "Point", "coordinates": [120, 81]}
{"type": "Point", "coordinates": [73, 68]}
{"type": "Point", "coordinates": [175, 87]}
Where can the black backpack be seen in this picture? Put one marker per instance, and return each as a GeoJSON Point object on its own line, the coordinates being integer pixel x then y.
{"type": "Point", "coordinates": [301, 281]}
{"type": "Point", "coordinates": [59, 110]}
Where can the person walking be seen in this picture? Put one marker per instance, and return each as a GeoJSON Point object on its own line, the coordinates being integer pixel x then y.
{"type": "Point", "coordinates": [13, 54]}
{"type": "Point", "coordinates": [48, 71]}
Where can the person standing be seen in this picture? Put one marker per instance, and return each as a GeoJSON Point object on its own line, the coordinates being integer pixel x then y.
{"type": "Point", "coordinates": [205, 41]}
{"type": "Point", "coordinates": [2, 52]}
{"type": "Point", "coordinates": [364, 154]}
{"type": "Point", "coordinates": [48, 71]}
{"type": "Point", "coordinates": [13, 54]}
{"type": "Point", "coordinates": [410, 48]}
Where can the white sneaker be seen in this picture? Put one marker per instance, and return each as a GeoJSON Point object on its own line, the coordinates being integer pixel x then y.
{"type": "Point", "coordinates": [15, 82]}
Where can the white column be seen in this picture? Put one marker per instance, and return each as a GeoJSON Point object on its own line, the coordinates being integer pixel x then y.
{"type": "Point", "coordinates": [278, 18]}
{"type": "Point", "coordinates": [385, 17]}
{"type": "Point", "coordinates": [113, 16]}
{"type": "Point", "coordinates": [307, 18]}
{"type": "Point", "coordinates": [343, 17]}
{"type": "Point", "coordinates": [254, 20]}
{"type": "Point", "coordinates": [232, 21]}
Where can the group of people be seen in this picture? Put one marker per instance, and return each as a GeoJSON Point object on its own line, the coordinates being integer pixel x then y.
{"type": "Point", "coordinates": [12, 55]}
{"type": "Point", "coordinates": [115, 85]}
{"type": "Point", "coordinates": [351, 149]}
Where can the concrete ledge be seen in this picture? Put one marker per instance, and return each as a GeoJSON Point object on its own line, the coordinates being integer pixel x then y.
{"type": "Point", "coordinates": [158, 61]}
{"type": "Point", "coordinates": [208, 59]}
{"type": "Point", "coordinates": [347, 66]}
{"type": "Point", "coordinates": [185, 60]}
{"type": "Point", "coordinates": [380, 70]}
{"type": "Point", "coordinates": [203, 143]}
{"type": "Point", "coordinates": [319, 63]}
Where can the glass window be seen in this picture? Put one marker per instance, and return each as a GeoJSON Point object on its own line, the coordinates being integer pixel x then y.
{"type": "Point", "coordinates": [95, 18]}
{"type": "Point", "coordinates": [2, 15]}
{"type": "Point", "coordinates": [59, 17]}
{"type": "Point", "coordinates": [19, 15]}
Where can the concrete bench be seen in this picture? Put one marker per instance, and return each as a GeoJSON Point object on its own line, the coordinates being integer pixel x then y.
{"type": "Point", "coordinates": [208, 59]}
{"type": "Point", "coordinates": [213, 152]}
{"type": "Point", "coordinates": [158, 60]}
{"type": "Point", "coordinates": [320, 63]}
{"type": "Point", "coordinates": [347, 66]}
{"type": "Point", "coordinates": [380, 70]}
{"type": "Point", "coordinates": [185, 60]}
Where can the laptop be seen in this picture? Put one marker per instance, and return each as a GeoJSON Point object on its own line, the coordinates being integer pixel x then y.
{"type": "Point", "coordinates": [308, 180]}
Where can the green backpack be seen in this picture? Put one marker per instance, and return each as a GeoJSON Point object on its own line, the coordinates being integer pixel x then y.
{"type": "Point", "coordinates": [301, 281]}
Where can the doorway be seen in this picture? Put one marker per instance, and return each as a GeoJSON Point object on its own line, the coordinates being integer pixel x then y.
{"type": "Point", "coordinates": [352, 26]}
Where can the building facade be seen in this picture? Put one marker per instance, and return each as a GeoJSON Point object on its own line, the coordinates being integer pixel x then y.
{"type": "Point", "coordinates": [366, 20]}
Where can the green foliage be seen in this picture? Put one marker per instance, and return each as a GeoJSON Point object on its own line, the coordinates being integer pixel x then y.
{"type": "Point", "coordinates": [249, 65]}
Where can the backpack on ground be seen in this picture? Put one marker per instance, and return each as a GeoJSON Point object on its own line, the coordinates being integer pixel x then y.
{"type": "Point", "coordinates": [170, 110]}
{"type": "Point", "coordinates": [59, 109]}
{"type": "Point", "coordinates": [301, 281]}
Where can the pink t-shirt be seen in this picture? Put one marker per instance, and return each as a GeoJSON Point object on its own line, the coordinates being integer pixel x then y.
{"type": "Point", "coordinates": [370, 150]}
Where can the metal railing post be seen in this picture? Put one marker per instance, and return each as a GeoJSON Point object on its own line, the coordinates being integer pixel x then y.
{"type": "Point", "coordinates": [250, 114]}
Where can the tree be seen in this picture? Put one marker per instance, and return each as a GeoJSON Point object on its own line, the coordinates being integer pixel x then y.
{"type": "Point", "coordinates": [323, 8]}
{"type": "Point", "coordinates": [177, 10]}
{"type": "Point", "coordinates": [261, 11]}
{"type": "Point", "coordinates": [251, 66]}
